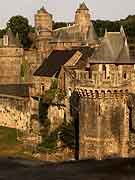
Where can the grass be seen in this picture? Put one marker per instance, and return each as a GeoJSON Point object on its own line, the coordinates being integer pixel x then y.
{"type": "Point", "coordinates": [8, 136]}
{"type": "Point", "coordinates": [9, 146]}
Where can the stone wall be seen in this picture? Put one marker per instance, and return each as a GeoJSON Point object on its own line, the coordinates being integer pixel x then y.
{"type": "Point", "coordinates": [14, 113]}
{"type": "Point", "coordinates": [40, 85]}
{"type": "Point", "coordinates": [104, 113]}
{"type": "Point", "coordinates": [56, 117]}
{"type": "Point", "coordinates": [10, 59]}
{"type": "Point", "coordinates": [104, 123]}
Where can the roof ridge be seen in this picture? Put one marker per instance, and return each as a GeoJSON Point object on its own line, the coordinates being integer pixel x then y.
{"type": "Point", "coordinates": [63, 28]}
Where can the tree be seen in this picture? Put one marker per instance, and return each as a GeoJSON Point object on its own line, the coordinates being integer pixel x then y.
{"type": "Point", "coordinates": [57, 25]}
{"type": "Point", "coordinates": [2, 32]}
{"type": "Point", "coordinates": [19, 24]}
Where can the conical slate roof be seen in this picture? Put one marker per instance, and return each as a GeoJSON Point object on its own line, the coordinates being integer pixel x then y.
{"type": "Point", "coordinates": [42, 9]}
{"type": "Point", "coordinates": [91, 35]}
{"type": "Point", "coordinates": [113, 49]}
{"type": "Point", "coordinates": [83, 6]}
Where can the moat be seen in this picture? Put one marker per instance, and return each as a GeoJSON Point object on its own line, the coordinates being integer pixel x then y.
{"type": "Point", "coordinates": [16, 168]}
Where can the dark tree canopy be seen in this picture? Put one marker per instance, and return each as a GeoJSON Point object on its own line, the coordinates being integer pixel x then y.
{"type": "Point", "coordinates": [2, 32]}
{"type": "Point", "coordinates": [112, 26]}
{"type": "Point", "coordinates": [19, 24]}
{"type": "Point", "coordinates": [57, 25]}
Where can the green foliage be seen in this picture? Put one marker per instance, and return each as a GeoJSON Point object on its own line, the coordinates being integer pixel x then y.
{"type": "Point", "coordinates": [19, 24]}
{"type": "Point", "coordinates": [43, 118]}
{"type": "Point", "coordinates": [24, 70]}
{"type": "Point", "coordinates": [54, 95]}
{"type": "Point", "coordinates": [50, 94]}
{"type": "Point", "coordinates": [2, 32]}
{"type": "Point", "coordinates": [101, 25]}
{"type": "Point", "coordinates": [131, 141]}
{"type": "Point", "coordinates": [49, 143]}
{"type": "Point", "coordinates": [57, 25]}
{"type": "Point", "coordinates": [67, 134]}
{"type": "Point", "coordinates": [8, 136]}
{"type": "Point", "coordinates": [114, 26]}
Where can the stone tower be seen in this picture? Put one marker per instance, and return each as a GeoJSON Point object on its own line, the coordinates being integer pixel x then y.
{"type": "Point", "coordinates": [43, 24]}
{"type": "Point", "coordinates": [82, 17]}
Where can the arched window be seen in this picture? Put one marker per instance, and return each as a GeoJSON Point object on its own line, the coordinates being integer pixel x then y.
{"type": "Point", "coordinates": [103, 94]}
{"type": "Point", "coordinates": [96, 94]}
{"type": "Point", "coordinates": [109, 93]}
{"type": "Point", "coordinates": [115, 93]}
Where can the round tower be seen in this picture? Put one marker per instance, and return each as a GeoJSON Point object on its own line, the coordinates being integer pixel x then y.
{"type": "Point", "coordinates": [43, 25]}
{"type": "Point", "coordinates": [43, 20]}
{"type": "Point", "coordinates": [82, 16]}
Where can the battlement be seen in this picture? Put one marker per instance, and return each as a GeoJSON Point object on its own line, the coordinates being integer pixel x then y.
{"type": "Point", "coordinates": [102, 93]}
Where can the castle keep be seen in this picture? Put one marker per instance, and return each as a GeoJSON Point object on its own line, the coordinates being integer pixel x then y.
{"type": "Point", "coordinates": [97, 74]}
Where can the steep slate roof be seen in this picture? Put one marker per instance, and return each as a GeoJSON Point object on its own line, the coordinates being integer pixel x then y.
{"type": "Point", "coordinates": [20, 90]}
{"type": "Point", "coordinates": [43, 10]}
{"type": "Point", "coordinates": [51, 66]}
{"type": "Point", "coordinates": [83, 6]}
{"type": "Point", "coordinates": [74, 34]}
{"type": "Point", "coordinates": [68, 34]}
{"type": "Point", "coordinates": [92, 37]}
{"type": "Point", "coordinates": [113, 49]}
{"type": "Point", "coordinates": [53, 63]}
{"type": "Point", "coordinates": [86, 53]}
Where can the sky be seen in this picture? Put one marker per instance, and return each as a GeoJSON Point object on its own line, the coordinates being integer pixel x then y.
{"type": "Point", "coordinates": [64, 10]}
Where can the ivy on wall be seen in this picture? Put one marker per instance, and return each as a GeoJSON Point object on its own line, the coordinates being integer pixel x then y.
{"type": "Point", "coordinates": [24, 70]}
{"type": "Point", "coordinates": [65, 133]}
{"type": "Point", "coordinates": [54, 95]}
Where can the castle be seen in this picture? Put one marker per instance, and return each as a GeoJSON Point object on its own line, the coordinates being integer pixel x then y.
{"type": "Point", "coordinates": [97, 74]}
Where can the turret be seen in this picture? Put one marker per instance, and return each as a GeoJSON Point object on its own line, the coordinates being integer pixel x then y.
{"type": "Point", "coordinates": [43, 24]}
{"type": "Point", "coordinates": [43, 20]}
{"type": "Point", "coordinates": [82, 16]}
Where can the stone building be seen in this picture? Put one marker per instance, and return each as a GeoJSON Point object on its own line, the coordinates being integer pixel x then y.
{"type": "Point", "coordinates": [98, 76]}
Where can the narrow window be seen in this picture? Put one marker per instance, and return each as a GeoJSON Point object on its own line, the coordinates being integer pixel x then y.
{"type": "Point", "coordinates": [125, 76]}
{"type": "Point", "coordinates": [42, 88]}
{"type": "Point", "coordinates": [99, 110]}
{"type": "Point", "coordinates": [104, 70]}
{"type": "Point", "coordinates": [89, 69]}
